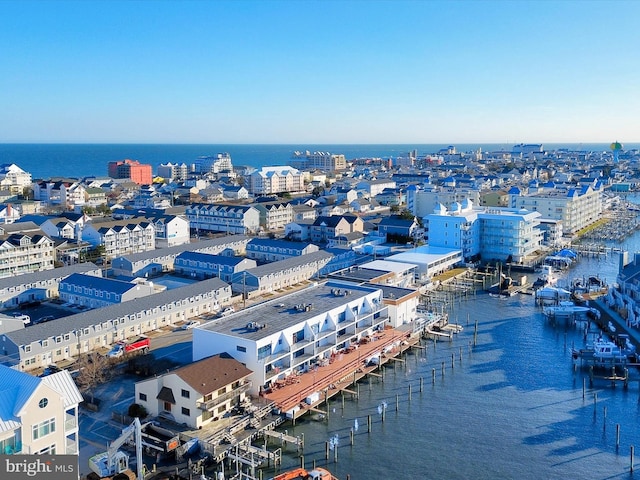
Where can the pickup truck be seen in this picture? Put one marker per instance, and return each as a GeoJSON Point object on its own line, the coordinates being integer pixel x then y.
{"type": "Point", "coordinates": [120, 349]}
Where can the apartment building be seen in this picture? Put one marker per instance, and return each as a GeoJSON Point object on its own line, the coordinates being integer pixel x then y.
{"type": "Point", "coordinates": [97, 292]}
{"type": "Point", "coordinates": [133, 170]}
{"type": "Point", "coordinates": [271, 250]}
{"type": "Point", "coordinates": [233, 219]}
{"type": "Point", "coordinates": [577, 206]}
{"type": "Point", "coordinates": [121, 237]}
{"type": "Point", "coordinates": [25, 253]}
{"type": "Point", "coordinates": [276, 179]}
{"type": "Point", "coordinates": [13, 178]}
{"type": "Point", "coordinates": [204, 265]}
{"type": "Point", "coordinates": [274, 215]}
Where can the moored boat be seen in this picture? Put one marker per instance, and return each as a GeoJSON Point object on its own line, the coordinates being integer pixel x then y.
{"type": "Point", "coordinates": [568, 310]}
{"type": "Point", "coordinates": [605, 352]}
{"type": "Point", "coordinates": [317, 473]}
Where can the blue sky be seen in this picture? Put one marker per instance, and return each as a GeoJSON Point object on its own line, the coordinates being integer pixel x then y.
{"type": "Point", "coordinates": [319, 71]}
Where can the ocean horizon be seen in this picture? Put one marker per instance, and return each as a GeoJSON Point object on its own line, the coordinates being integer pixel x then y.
{"type": "Point", "coordinates": [79, 160]}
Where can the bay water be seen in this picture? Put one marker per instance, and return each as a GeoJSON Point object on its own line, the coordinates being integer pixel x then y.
{"type": "Point", "coordinates": [511, 406]}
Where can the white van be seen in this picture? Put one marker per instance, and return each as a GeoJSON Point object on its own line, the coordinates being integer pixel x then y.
{"type": "Point", "coordinates": [26, 319]}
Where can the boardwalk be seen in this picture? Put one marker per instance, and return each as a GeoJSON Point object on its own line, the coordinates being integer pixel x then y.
{"type": "Point", "coordinates": [341, 371]}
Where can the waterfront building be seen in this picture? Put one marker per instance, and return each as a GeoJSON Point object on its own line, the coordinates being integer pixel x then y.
{"type": "Point", "coordinates": [423, 201]}
{"type": "Point", "coordinates": [577, 206]}
{"type": "Point", "coordinates": [38, 415]}
{"type": "Point", "coordinates": [96, 292]}
{"type": "Point", "coordinates": [204, 265]}
{"type": "Point", "coordinates": [121, 237]}
{"type": "Point", "coordinates": [62, 339]}
{"type": "Point", "coordinates": [488, 233]}
{"type": "Point", "coordinates": [272, 250]}
{"type": "Point", "coordinates": [14, 179]}
{"type": "Point", "coordinates": [155, 262]}
{"type": "Point", "coordinates": [429, 260]}
{"type": "Point", "coordinates": [233, 219]}
{"type": "Point", "coordinates": [279, 275]}
{"type": "Point", "coordinates": [276, 179]}
{"type": "Point", "coordinates": [133, 170]}
{"type": "Point", "coordinates": [291, 334]}
{"type": "Point", "coordinates": [196, 394]}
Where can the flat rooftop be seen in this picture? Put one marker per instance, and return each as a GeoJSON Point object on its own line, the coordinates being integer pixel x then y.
{"type": "Point", "coordinates": [281, 313]}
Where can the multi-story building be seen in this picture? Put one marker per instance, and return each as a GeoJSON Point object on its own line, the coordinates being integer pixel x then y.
{"type": "Point", "coordinates": [497, 233]}
{"type": "Point", "coordinates": [577, 206]}
{"type": "Point", "coordinates": [275, 339]}
{"type": "Point", "coordinates": [121, 237]}
{"type": "Point", "coordinates": [38, 415]}
{"type": "Point", "coordinates": [171, 230]}
{"type": "Point", "coordinates": [324, 161]}
{"type": "Point", "coordinates": [235, 219]}
{"type": "Point", "coordinates": [64, 338]}
{"type": "Point", "coordinates": [173, 171]}
{"type": "Point", "coordinates": [135, 171]}
{"type": "Point", "coordinates": [13, 178]}
{"type": "Point", "coordinates": [219, 163]}
{"type": "Point", "coordinates": [272, 250]}
{"type": "Point", "coordinates": [198, 393]}
{"type": "Point", "coordinates": [205, 265]}
{"type": "Point", "coordinates": [279, 275]}
{"type": "Point", "coordinates": [25, 253]}
{"type": "Point", "coordinates": [66, 194]}
{"type": "Point", "coordinates": [423, 201]}
{"type": "Point", "coordinates": [96, 292]}
{"type": "Point", "coordinates": [327, 227]}
{"type": "Point", "coordinates": [276, 179]}
{"type": "Point", "coordinates": [274, 215]}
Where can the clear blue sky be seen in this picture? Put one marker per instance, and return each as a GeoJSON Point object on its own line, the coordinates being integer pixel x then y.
{"type": "Point", "coordinates": [319, 71]}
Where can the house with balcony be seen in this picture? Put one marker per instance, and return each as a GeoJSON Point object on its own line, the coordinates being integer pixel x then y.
{"type": "Point", "coordinates": [198, 393]}
{"type": "Point", "coordinates": [327, 227]}
{"type": "Point", "coordinates": [22, 253]}
{"type": "Point", "coordinates": [232, 219]}
{"type": "Point", "coordinates": [121, 237]}
{"type": "Point", "coordinates": [204, 265]}
{"type": "Point", "coordinates": [38, 415]}
{"type": "Point", "coordinates": [293, 333]}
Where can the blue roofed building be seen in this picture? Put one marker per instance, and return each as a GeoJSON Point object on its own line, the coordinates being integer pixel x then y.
{"type": "Point", "coordinates": [205, 265]}
{"type": "Point", "coordinates": [271, 250]}
{"type": "Point", "coordinates": [96, 292]}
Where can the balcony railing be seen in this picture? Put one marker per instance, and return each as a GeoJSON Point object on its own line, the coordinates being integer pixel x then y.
{"type": "Point", "coordinates": [214, 402]}
{"type": "Point", "coordinates": [71, 447]}
{"type": "Point", "coordinates": [70, 422]}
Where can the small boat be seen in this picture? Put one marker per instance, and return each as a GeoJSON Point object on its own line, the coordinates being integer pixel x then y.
{"type": "Point", "coordinates": [317, 473]}
{"type": "Point", "coordinates": [567, 310]}
{"type": "Point", "coordinates": [606, 352]}
{"type": "Point", "coordinates": [546, 279]}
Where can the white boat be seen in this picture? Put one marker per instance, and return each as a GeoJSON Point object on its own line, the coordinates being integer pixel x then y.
{"type": "Point", "coordinates": [567, 310]}
{"type": "Point", "coordinates": [551, 295]}
{"type": "Point", "coordinates": [546, 278]}
{"type": "Point", "coordinates": [606, 352]}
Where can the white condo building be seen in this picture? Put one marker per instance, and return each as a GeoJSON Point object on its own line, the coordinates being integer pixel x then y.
{"type": "Point", "coordinates": [492, 233]}
{"type": "Point", "coordinates": [292, 333]}
{"type": "Point", "coordinates": [577, 206]}
{"type": "Point", "coordinates": [13, 178]}
{"type": "Point", "coordinates": [276, 179]}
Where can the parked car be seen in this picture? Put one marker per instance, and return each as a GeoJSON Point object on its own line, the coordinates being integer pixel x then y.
{"type": "Point", "coordinates": [44, 319]}
{"type": "Point", "coordinates": [227, 311]}
{"type": "Point", "coordinates": [26, 319]}
{"type": "Point", "coordinates": [191, 324]}
{"type": "Point", "coordinates": [50, 369]}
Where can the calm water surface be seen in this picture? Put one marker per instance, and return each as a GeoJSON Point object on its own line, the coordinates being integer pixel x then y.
{"type": "Point", "coordinates": [511, 408]}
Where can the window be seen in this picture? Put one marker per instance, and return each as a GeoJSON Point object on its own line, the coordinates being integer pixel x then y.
{"type": "Point", "coordinates": [142, 397]}
{"type": "Point", "coordinates": [222, 391]}
{"type": "Point", "coordinates": [186, 411]}
{"type": "Point", "coordinates": [241, 349]}
{"type": "Point", "coordinates": [185, 393]}
{"type": "Point", "coordinates": [44, 428]}
{"type": "Point", "coordinates": [43, 402]}
{"type": "Point", "coordinates": [264, 351]}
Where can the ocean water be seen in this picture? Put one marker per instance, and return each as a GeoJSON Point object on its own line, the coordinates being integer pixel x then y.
{"type": "Point", "coordinates": [81, 160]}
{"type": "Point", "coordinates": [511, 407]}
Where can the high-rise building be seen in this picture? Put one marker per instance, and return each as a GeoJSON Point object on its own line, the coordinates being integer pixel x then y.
{"type": "Point", "coordinates": [137, 172]}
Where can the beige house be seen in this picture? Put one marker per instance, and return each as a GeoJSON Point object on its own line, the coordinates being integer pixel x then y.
{"type": "Point", "coordinates": [198, 393]}
{"type": "Point", "coordinates": [38, 415]}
